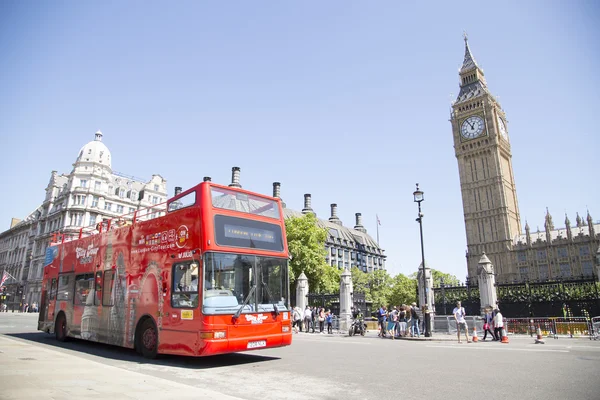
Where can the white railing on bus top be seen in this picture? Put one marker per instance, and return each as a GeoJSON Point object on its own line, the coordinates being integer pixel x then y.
{"type": "Point", "coordinates": [143, 214]}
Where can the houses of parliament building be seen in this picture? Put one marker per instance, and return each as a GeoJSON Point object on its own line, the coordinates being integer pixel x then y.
{"type": "Point", "coordinates": [491, 210]}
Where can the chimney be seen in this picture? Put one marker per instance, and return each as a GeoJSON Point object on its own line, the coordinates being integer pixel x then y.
{"type": "Point", "coordinates": [307, 208]}
{"type": "Point", "coordinates": [235, 177]}
{"type": "Point", "coordinates": [206, 179]}
{"type": "Point", "coordinates": [334, 218]}
{"type": "Point", "coordinates": [177, 190]}
{"type": "Point", "coordinates": [277, 192]}
{"type": "Point", "coordinates": [359, 226]}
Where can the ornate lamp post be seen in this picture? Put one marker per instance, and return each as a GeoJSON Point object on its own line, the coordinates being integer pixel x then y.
{"type": "Point", "coordinates": [418, 196]}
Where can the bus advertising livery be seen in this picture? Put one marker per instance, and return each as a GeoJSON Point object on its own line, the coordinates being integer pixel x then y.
{"type": "Point", "coordinates": [204, 273]}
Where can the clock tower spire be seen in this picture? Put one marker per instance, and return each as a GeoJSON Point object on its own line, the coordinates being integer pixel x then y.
{"type": "Point", "coordinates": [487, 182]}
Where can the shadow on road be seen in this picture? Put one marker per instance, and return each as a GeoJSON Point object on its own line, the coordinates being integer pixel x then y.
{"type": "Point", "coordinates": [130, 355]}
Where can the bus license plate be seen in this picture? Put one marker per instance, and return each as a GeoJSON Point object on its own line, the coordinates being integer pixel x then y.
{"type": "Point", "coordinates": [258, 343]}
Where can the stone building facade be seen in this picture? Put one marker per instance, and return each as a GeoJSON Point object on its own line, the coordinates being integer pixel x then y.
{"type": "Point", "coordinates": [491, 210]}
{"type": "Point", "coordinates": [91, 192]}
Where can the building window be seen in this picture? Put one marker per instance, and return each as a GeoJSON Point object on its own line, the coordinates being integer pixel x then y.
{"type": "Point", "coordinates": [156, 188]}
{"type": "Point", "coordinates": [587, 268]}
{"type": "Point", "coordinates": [584, 251]}
{"type": "Point", "coordinates": [83, 183]}
{"type": "Point", "coordinates": [110, 188]}
{"type": "Point", "coordinates": [333, 251]}
{"type": "Point", "coordinates": [154, 200]}
{"type": "Point", "coordinates": [333, 263]}
{"type": "Point", "coordinates": [133, 195]}
{"type": "Point", "coordinates": [565, 270]}
{"type": "Point", "coordinates": [92, 220]}
{"type": "Point", "coordinates": [524, 273]}
{"type": "Point", "coordinates": [131, 210]}
{"type": "Point", "coordinates": [97, 185]}
{"type": "Point", "coordinates": [541, 255]}
{"type": "Point", "coordinates": [522, 256]}
{"type": "Point", "coordinates": [543, 272]}
{"type": "Point", "coordinates": [340, 264]}
{"type": "Point", "coordinates": [562, 252]}
{"type": "Point", "coordinates": [76, 219]}
{"type": "Point", "coordinates": [80, 199]}
{"type": "Point", "coordinates": [107, 206]}
{"type": "Point", "coordinates": [122, 193]}
{"type": "Point", "coordinates": [95, 201]}
{"type": "Point", "coordinates": [120, 209]}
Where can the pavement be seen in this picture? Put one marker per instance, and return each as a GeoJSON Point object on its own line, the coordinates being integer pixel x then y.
{"type": "Point", "coordinates": [35, 372]}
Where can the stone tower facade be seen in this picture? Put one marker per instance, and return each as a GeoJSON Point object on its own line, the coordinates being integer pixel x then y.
{"type": "Point", "coordinates": [482, 149]}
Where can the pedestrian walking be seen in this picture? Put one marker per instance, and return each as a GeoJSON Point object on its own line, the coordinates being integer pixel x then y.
{"type": "Point", "coordinates": [307, 319]}
{"type": "Point", "coordinates": [414, 319]}
{"type": "Point", "coordinates": [488, 320]}
{"type": "Point", "coordinates": [498, 324]}
{"type": "Point", "coordinates": [461, 322]}
{"type": "Point", "coordinates": [329, 320]}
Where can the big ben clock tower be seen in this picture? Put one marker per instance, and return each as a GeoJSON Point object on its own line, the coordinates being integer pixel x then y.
{"type": "Point", "coordinates": [482, 148]}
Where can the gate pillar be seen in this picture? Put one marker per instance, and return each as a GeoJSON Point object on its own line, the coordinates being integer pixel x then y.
{"type": "Point", "coordinates": [487, 283]}
{"type": "Point", "coordinates": [345, 300]}
{"type": "Point", "coordinates": [302, 292]}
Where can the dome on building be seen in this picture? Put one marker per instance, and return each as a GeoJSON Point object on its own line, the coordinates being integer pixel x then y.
{"type": "Point", "coordinates": [95, 152]}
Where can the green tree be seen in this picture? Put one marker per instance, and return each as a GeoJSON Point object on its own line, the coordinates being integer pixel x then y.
{"type": "Point", "coordinates": [331, 279]}
{"type": "Point", "coordinates": [380, 284]}
{"type": "Point", "coordinates": [306, 243]}
{"type": "Point", "coordinates": [403, 291]}
{"type": "Point", "coordinates": [449, 279]}
{"type": "Point", "coordinates": [360, 283]}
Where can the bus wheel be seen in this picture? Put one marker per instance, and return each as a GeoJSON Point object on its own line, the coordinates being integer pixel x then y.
{"type": "Point", "coordinates": [60, 329]}
{"type": "Point", "coordinates": [148, 339]}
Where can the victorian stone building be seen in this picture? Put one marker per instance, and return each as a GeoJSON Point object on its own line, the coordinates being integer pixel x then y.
{"type": "Point", "coordinates": [91, 192]}
{"type": "Point", "coordinates": [491, 210]}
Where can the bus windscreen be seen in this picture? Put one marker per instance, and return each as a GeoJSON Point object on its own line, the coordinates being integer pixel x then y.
{"type": "Point", "coordinates": [242, 202]}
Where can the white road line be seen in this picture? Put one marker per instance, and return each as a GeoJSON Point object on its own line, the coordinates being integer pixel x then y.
{"type": "Point", "coordinates": [498, 348]}
{"type": "Point", "coordinates": [330, 340]}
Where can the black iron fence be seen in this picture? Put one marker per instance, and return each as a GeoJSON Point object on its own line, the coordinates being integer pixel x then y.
{"type": "Point", "coordinates": [536, 299]}
{"type": "Point", "coordinates": [332, 302]}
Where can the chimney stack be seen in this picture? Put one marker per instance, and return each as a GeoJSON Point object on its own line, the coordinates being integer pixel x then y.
{"type": "Point", "coordinates": [307, 208]}
{"type": "Point", "coordinates": [359, 226]}
{"type": "Point", "coordinates": [235, 177]}
{"type": "Point", "coordinates": [177, 190]}
{"type": "Point", "coordinates": [334, 218]}
{"type": "Point", "coordinates": [277, 192]}
{"type": "Point", "coordinates": [207, 179]}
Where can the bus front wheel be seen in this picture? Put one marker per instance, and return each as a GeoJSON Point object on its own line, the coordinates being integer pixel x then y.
{"type": "Point", "coordinates": [60, 328]}
{"type": "Point", "coordinates": [148, 340]}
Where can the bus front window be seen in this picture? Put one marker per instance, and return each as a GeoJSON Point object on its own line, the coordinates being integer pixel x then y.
{"type": "Point", "coordinates": [238, 281]}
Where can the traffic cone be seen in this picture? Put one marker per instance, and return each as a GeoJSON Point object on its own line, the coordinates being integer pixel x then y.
{"type": "Point", "coordinates": [504, 337]}
{"type": "Point", "coordinates": [475, 338]}
{"type": "Point", "coordinates": [540, 338]}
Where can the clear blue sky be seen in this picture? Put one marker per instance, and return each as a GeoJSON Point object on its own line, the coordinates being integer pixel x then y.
{"type": "Point", "coordinates": [348, 101]}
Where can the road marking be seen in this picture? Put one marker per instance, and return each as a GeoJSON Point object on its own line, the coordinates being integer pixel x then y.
{"type": "Point", "coordinates": [329, 340]}
{"type": "Point", "coordinates": [498, 348]}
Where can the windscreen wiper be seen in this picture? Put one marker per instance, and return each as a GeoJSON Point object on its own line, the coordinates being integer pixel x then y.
{"type": "Point", "coordinates": [276, 310]}
{"type": "Point", "coordinates": [244, 304]}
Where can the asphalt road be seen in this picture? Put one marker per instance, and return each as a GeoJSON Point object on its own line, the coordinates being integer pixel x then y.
{"type": "Point", "coordinates": [338, 367]}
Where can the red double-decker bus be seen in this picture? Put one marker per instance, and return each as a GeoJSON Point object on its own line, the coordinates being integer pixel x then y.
{"type": "Point", "coordinates": [204, 273]}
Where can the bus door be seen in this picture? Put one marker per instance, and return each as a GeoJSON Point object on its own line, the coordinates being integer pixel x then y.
{"type": "Point", "coordinates": [48, 302]}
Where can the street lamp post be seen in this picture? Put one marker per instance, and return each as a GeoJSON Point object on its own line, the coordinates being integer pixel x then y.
{"type": "Point", "coordinates": [418, 196]}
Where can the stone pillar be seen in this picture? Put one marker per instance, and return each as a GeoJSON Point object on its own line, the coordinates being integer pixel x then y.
{"type": "Point", "coordinates": [346, 291]}
{"type": "Point", "coordinates": [487, 283]}
{"type": "Point", "coordinates": [302, 292]}
{"type": "Point", "coordinates": [429, 285]}
{"type": "Point", "coordinates": [428, 301]}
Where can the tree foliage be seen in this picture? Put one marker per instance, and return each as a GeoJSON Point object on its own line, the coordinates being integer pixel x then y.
{"type": "Point", "coordinates": [306, 243]}
{"type": "Point", "coordinates": [404, 290]}
{"type": "Point", "coordinates": [438, 276]}
{"type": "Point", "coordinates": [360, 283]}
{"type": "Point", "coordinates": [380, 284]}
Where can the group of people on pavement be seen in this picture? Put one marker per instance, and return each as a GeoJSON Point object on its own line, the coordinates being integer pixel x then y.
{"type": "Point", "coordinates": [310, 317]}
{"type": "Point", "coordinates": [492, 318]}
{"type": "Point", "coordinates": [399, 321]}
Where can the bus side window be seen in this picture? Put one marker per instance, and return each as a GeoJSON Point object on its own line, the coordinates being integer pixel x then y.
{"type": "Point", "coordinates": [98, 289]}
{"type": "Point", "coordinates": [109, 277]}
{"type": "Point", "coordinates": [64, 288]}
{"type": "Point", "coordinates": [53, 289]}
{"type": "Point", "coordinates": [83, 286]}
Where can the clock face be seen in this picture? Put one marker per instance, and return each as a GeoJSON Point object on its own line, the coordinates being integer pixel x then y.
{"type": "Point", "coordinates": [472, 127]}
{"type": "Point", "coordinates": [502, 128]}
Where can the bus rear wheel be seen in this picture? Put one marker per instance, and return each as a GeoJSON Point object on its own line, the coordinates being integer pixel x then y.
{"type": "Point", "coordinates": [60, 328]}
{"type": "Point", "coordinates": [148, 340]}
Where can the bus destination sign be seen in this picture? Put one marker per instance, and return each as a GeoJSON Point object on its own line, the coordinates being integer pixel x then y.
{"type": "Point", "coordinates": [244, 232]}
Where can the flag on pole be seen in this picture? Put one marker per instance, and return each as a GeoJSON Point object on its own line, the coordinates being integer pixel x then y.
{"type": "Point", "coordinates": [4, 278]}
{"type": "Point", "coordinates": [378, 221]}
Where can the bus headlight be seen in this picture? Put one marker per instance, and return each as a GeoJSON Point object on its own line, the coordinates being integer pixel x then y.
{"type": "Point", "coordinates": [220, 335]}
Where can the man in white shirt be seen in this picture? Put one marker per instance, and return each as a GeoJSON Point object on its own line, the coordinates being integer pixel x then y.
{"type": "Point", "coordinates": [461, 323]}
